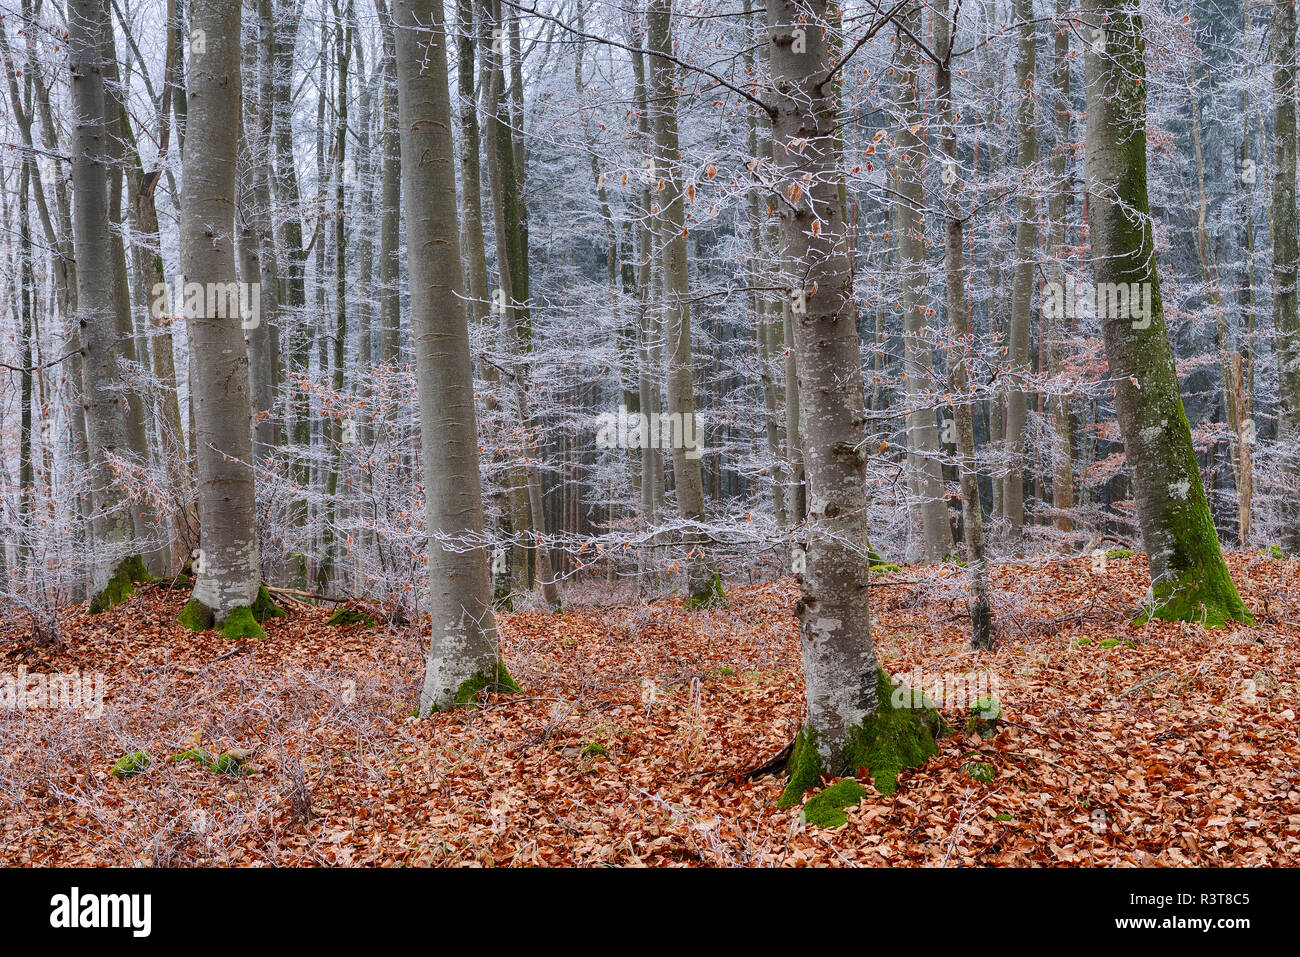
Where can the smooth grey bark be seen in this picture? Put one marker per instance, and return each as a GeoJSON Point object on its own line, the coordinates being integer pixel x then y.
{"type": "Point", "coordinates": [227, 576]}
{"type": "Point", "coordinates": [1058, 207]}
{"type": "Point", "coordinates": [258, 263]}
{"type": "Point", "coordinates": [1022, 279]}
{"type": "Point", "coordinates": [923, 448]}
{"type": "Point", "coordinates": [390, 198]}
{"type": "Point", "coordinates": [512, 259]}
{"type": "Point", "coordinates": [333, 427]}
{"type": "Point", "coordinates": [670, 196]}
{"type": "Point", "coordinates": [759, 133]}
{"type": "Point", "coordinates": [649, 336]}
{"type": "Point", "coordinates": [143, 516]}
{"type": "Point", "coordinates": [463, 644]}
{"type": "Point", "coordinates": [839, 663]}
{"type": "Point", "coordinates": [105, 402]}
{"type": "Point", "coordinates": [963, 345]}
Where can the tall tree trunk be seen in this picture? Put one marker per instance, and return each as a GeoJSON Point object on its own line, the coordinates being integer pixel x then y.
{"type": "Point", "coordinates": [257, 247]}
{"type": "Point", "coordinates": [116, 561]}
{"type": "Point", "coordinates": [1286, 252]}
{"type": "Point", "coordinates": [335, 438]}
{"type": "Point", "coordinates": [463, 654]}
{"type": "Point", "coordinates": [703, 585]}
{"type": "Point", "coordinates": [1057, 211]}
{"type": "Point", "coordinates": [923, 449]}
{"type": "Point", "coordinates": [649, 340]}
{"type": "Point", "coordinates": [227, 572]}
{"type": "Point", "coordinates": [512, 265]}
{"type": "Point", "coordinates": [850, 721]}
{"type": "Point", "coordinates": [1190, 581]}
{"type": "Point", "coordinates": [963, 345]}
{"type": "Point", "coordinates": [390, 198]}
{"type": "Point", "coordinates": [1022, 281]}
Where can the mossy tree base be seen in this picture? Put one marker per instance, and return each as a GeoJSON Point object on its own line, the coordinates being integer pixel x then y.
{"type": "Point", "coordinates": [240, 623]}
{"type": "Point", "coordinates": [885, 744]}
{"type": "Point", "coordinates": [826, 809]}
{"type": "Point", "coordinates": [1208, 597]}
{"type": "Point", "coordinates": [121, 585]}
{"type": "Point", "coordinates": [497, 680]}
{"type": "Point", "coordinates": [711, 596]}
{"type": "Point", "coordinates": [264, 607]}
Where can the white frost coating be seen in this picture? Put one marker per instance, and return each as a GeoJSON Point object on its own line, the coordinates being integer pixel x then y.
{"type": "Point", "coordinates": [1180, 488]}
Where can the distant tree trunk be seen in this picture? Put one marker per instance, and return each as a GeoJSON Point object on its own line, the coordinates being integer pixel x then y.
{"type": "Point", "coordinates": [1022, 281]}
{"type": "Point", "coordinates": [296, 338]}
{"type": "Point", "coordinates": [1229, 370]}
{"type": "Point", "coordinates": [512, 265]}
{"type": "Point", "coordinates": [649, 396]}
{"type": "Point", "coordinates": [333, 427]}
{"type": "Point", "coordinates": [703, 585]}
{"type": "Point", "coordinates": [1243, 358]}
{"type": "Point", "coordinates": [390, 198]}
{"type": "Point", "coordinates": [463, 654]}
{"type": "Point", "coordinates": [1285, 256]}
{"type": "Point", "coordinates": [255, 222]}
{"type": "Point", "coordinates": [227, 580]}
{"type": "Point", "coordinates": [1057, 210]}
{"type": "Point", "coordinates": [147, 528]}
{"type": "Point", "coordinates": [963, 346]}
{"type": "Point", "coordinates": [116, 561]}
{"type": "Point", "coordinates": [850, 721]}
{"type": "Point", "coordinates": [760, 147]}
{"type": "Point", "coordinates": [923, 448]}
{"type": "Point", "coordinates": [1190, 581]}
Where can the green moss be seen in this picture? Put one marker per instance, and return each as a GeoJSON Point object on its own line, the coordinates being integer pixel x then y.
{"type": "Point", "coordinates": [1273, 551]}
{"type": "Point", "coordinates": [264, 606]}
{"type": "Point", "coordinates": [1083, 641]}
{"type": "Point", "coordinates": [893, 739]}
{"type": "Point", "coordinates": [594, 750]}
{"type": "Point", "coordinates": [241, 624]}
{"type": "Point", "coordinates": [498, 680]}
{"type": "Point", "coordinates": [884, 568]}
{"type": "Point", "coordinates": [221, 764]}
{"type": "Point", "coordinates": [826, 809]}
{"type": "Point", "coordinates": [711, 596]}
{"type": "Point", "coordinates": [226, 764]}
{"type": "Point", "coordinates": [350, 616]}
{"type": "Point", "coordinates": [887, 742]}
{"type": "Point", "coordinates": [873, 556]}
{"type": "Point", "coordinates": [979, 771]}
{"type": "Point", "coordinates": [985, 714]}
{"type": "Point", "coordinates": [1197, 586]}
{"type": "Point", "coordinates": [1109, 642]}
{"type": "Point", "coordinates": [1117, 553]}
{"type": "Point", "coordinates": [196, 616]}
{"type": "Point", "coordinates": [723, 672]}
{"type": "Point", "coordinates": [131, 764]}
{"type": "Point", "coordinates": [1002, 817]}
{"type": "Point", "coordinates": [804, 767]}
{"type": "Point", "coordinates": [121, 585]}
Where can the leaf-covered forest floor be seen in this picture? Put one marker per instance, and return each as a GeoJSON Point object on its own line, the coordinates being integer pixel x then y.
{"type": "Point", "coordinates": [638, 722]}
